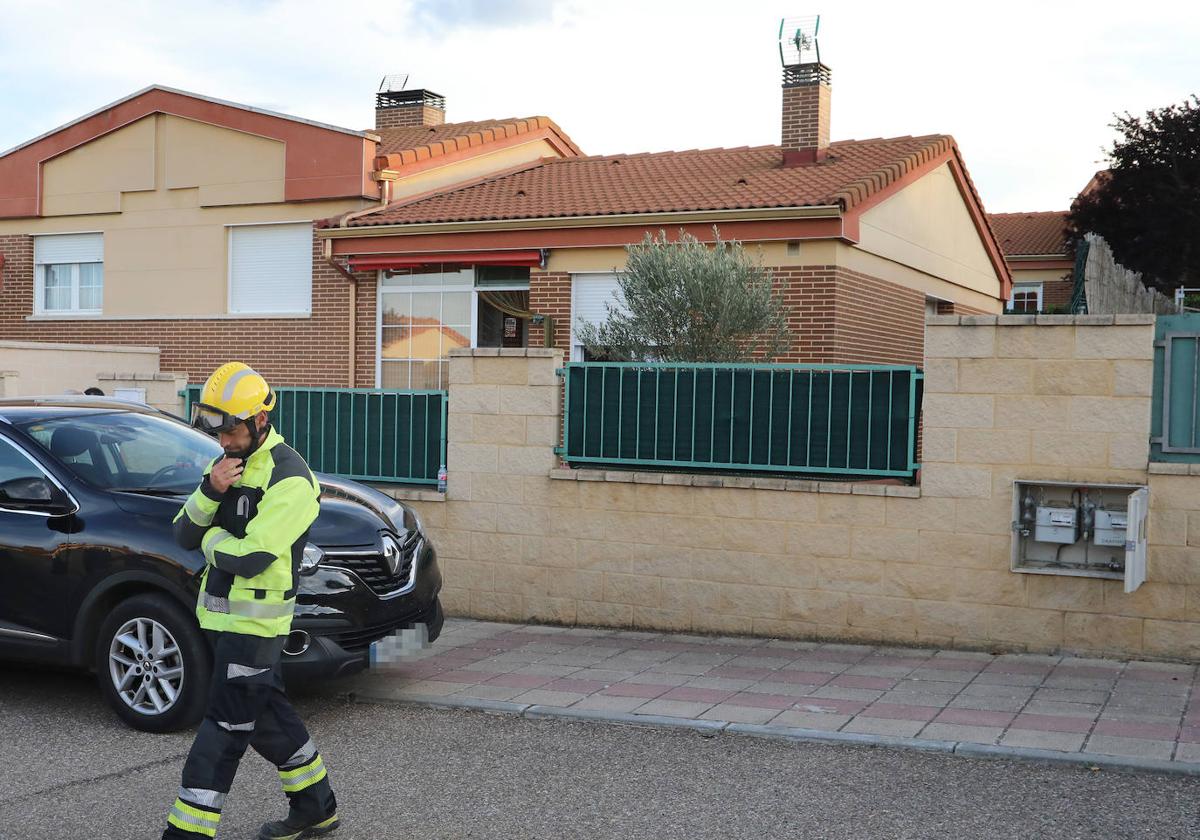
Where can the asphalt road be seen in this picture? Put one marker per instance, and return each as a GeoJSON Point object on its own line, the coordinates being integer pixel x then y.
{"type": "Point", "coordinates": [68, 769]}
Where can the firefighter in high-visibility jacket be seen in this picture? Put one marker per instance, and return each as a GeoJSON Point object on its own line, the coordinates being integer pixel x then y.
{"type": "Point", "coordinates": [250, 516]}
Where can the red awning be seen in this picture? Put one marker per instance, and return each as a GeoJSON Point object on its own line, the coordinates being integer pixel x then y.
{"type": "Point", "coordinates": [384, 262]}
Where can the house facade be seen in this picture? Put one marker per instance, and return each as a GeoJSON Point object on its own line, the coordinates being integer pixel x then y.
{"type": "Point", "coordinates": [865, 238]}
{"type": "Point", "coordinates": [182, 222]}
{"type": "Point", "coordinates": [1038, 254]}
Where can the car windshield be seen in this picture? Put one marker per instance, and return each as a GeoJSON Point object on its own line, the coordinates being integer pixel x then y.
{"type": "Point", "coordinates": [127, 450]}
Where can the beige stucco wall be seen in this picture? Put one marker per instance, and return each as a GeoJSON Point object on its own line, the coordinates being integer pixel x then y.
{"type": "Point", "coordinates": [162, 151]}
{"type": "Point", "coordinates": [926, 226]}
{"type": "Point", "coordinates": [520, 539]}
{"type": "Point", "coordinates": [34, 368]}
{"type": "Point", "coordinates": [91, 178]}
{"type": "Point", "coordinates": [1039, 275]}
{"type": "Point", "coordinates": [472, 167]}
{"type": "Point", "coordinates": [163, 191]}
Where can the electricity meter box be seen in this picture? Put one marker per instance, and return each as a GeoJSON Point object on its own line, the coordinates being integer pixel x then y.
{"type": "Point", "coordinates": [1084, 530]}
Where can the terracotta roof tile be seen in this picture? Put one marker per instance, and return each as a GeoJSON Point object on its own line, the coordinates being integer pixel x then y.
{"type": "Point", "coordinates": [1029, 234]}
{"type": "Point", "coordinates": [710, 179]}
{"type": "Point", "coordinates": [421, 142]}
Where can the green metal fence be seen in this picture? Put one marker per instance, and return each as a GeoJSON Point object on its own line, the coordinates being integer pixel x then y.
{"type": "Point", "coordinates": [362, 433]}
{"type": "Point", "coordinates": [814, 419]}
{"type": "Point", "coordinates": [1175, 409]}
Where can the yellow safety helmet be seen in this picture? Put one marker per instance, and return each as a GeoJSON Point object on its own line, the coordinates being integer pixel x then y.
{"type": "Point", "coordinates": [234, 394]}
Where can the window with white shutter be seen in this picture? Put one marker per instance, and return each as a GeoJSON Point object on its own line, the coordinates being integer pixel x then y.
{"type": "Point", "coordinates": [68, 274]}
{"type": "Point", "coordinates": [590, 296]}
{"type": "Point", "coordinates": [270, 269]}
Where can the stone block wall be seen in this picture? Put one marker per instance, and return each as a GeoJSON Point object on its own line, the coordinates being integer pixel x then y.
{"type": "Point", "coordinates": [1068, 399]}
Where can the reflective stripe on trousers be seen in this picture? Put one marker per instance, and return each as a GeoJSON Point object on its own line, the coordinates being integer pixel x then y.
{"type": "Point", "coordinates": [303, 776]}
{"type": "Point", "coordinates": [194, 820]}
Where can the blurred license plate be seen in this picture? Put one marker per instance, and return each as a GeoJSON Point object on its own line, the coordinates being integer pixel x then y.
{"type": "Point", "coordinates": [400, 646]}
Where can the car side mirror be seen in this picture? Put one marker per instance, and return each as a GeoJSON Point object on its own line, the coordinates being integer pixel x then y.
{"type": "Point", "coordinates": [33, 493]}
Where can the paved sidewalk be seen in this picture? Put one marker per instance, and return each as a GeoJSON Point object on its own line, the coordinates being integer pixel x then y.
{"type": "Point", "coordinates": [1097, 711]}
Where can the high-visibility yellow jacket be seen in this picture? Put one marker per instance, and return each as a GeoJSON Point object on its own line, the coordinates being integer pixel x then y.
{"type": "Point", "coordinates": [253, 538]}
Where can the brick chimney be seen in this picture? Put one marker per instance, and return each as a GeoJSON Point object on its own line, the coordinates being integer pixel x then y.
{"type": "Point", "coordinates": [408, 108]}
{"type": "Point", "coordinates": [806, 95]}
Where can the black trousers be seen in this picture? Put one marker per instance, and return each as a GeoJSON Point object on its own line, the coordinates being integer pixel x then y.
{"type": "Point", "coordinates": [247, 706]}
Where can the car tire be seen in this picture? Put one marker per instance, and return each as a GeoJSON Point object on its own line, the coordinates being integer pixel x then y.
{"type": "Point", "coordinates": [153, 664]}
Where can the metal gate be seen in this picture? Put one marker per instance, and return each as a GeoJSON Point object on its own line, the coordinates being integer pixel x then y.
{"type": "Point", "coordinates": [1175, 417]}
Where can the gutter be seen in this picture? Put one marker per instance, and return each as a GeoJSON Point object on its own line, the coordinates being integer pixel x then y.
{"type": "Point", "coordinates": [824, 211]}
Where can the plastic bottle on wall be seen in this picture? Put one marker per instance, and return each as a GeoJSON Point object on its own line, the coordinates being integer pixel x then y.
{"type": "Point", "coordinates": [442, 479]}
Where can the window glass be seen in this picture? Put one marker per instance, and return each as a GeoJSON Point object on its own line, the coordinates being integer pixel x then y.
{"type": "Point", "coordinates": [127, 450]}
{"type": "Point", "coordinates": [57, 287]}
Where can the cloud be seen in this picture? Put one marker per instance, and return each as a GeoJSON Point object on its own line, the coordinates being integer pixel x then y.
{"type": "Point", "coordinates": [442, 16]}
{"type": "Point", "coordinates": [1029, 94]}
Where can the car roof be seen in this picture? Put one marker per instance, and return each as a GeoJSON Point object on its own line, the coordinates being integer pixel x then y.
{"type": "Point", "coordinates": [26, 409]}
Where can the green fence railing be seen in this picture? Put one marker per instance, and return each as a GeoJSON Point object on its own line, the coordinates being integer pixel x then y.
{"type": "Point", "coordinates": [818, 419]}
{"type": "Point", "coordinates": [363, 433]}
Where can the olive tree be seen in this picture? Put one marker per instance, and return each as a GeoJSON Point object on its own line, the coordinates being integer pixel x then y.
{"type": "Point", "coordinates": [685, 301]}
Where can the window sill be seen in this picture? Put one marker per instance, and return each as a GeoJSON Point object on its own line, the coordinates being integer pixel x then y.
{"type": "Point", "coordinates": [62, 316]}
{"type": "Point", "coordinates": [737, 481]}
{"type": "Point", "coordinates": [223, 317]}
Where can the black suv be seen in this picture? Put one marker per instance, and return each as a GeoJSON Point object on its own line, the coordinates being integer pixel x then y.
{"type": "Point", "coordinates": [90, 575]}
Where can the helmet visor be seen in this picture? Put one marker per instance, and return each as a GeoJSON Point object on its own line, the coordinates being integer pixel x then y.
{"type": "Point", "coordinates": [212, 420]}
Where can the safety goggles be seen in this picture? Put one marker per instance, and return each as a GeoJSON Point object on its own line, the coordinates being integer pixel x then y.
{"type": "Point", "coordinates": [213, 420]}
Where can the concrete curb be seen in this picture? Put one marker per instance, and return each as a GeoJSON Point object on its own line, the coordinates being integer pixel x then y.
{"type": "Point", "coordinates": [788, 733]}
{"type": "Point", "coordinates": [710, 728]}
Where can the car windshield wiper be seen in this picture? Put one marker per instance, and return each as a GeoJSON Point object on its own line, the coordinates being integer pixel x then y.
{"type": "Point", "coordinates": [148, 491]}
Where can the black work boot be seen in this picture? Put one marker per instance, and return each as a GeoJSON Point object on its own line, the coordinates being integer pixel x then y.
{"type": "Point", "coordinates": [294, 828]}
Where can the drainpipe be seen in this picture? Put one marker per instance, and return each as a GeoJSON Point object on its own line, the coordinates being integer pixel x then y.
{"type": "Point", "coordinates": [327, 253]}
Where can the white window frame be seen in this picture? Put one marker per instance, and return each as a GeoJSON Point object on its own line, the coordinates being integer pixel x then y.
{"type": "Point", "coordinates": [1025, 287]}
{"type": "Point", "coordinates": [381, 289]}
{"type": "Point", "coordinates": [229, 238]}
{"type": "Point", "coordinates": [39, 280]}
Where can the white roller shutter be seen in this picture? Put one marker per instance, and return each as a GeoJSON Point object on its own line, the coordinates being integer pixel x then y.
{"type": "Point", "coordinates": [270, 268]}
{"type": "Point", "coordinates": [68, 248]}
{"type": "Point", "coordinates": [593, 293]}
{"type": "Point", "coordinates": [590, 296]}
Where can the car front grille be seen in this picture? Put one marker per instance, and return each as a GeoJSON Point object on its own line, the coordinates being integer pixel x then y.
{"type": "Point", "coordinates": [372, 569]}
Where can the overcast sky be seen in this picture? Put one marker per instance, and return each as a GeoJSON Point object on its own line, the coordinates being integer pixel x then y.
{"type": "Point", "coordinates": [1027, 88]}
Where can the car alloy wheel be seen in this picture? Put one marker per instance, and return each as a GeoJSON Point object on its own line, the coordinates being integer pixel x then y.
{"type": "Point", "coordinates": [146, 666]}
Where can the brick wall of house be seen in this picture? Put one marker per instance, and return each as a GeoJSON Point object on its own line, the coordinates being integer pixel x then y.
{"type": "Point", "coordinates": [287, 351]}
{"type": "Point", "coordinates": [18, 262]}
{"type": "Point", "coordinates": [1057, 293]}
{"type": "Point", "coordinates": [550, 294]}
{"type": "Point", "coordinates": [366, 306]}
{"type": "Point", "coordinates": [839, 316]}
{"type": "Point", "coordinates": [946, 307]}
{"type": "Point", "coordinates": [836, 316]}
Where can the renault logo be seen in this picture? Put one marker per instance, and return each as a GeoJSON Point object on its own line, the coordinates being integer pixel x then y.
{"type": "Point", "coordinates": [391, 553]}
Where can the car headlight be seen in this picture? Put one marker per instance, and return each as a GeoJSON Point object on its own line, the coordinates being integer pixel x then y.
{"type": "Point", "coordinates": [416, 521]}
{"type": "Point", "coordinates": [313, 555]}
